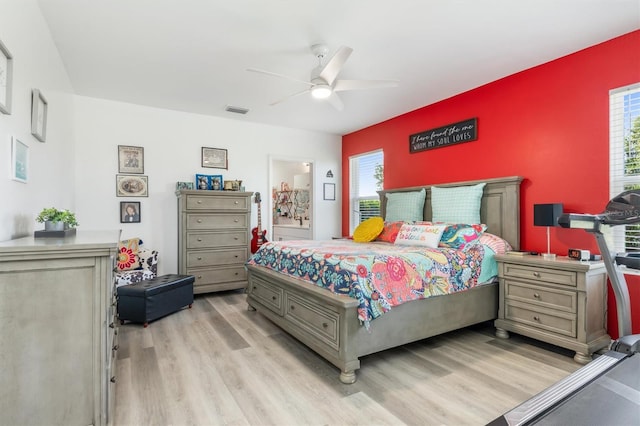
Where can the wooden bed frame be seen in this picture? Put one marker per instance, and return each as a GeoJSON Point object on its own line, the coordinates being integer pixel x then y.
{"type": "Point", "coordinates": [328, 323]}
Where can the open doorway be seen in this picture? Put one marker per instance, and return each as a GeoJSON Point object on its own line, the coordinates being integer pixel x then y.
{"type": "Point", "coordinates": [291, 199]}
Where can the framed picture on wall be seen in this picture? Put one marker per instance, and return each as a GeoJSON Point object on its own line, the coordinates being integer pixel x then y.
{"type": "Point", "coordinates": [19, 160]}
{"type": "Point", "coordinates": [130, 212]}
{"type": "Point", "coordinates": [329, 191]}
{"type": "Point", "coordinates": [132, 186]}
{"type": "Point", "coordinates": [6, 79]}
{"type": "Point", "coordinates": [214, 158]}
{"type": "Point", "coordinates": [39, 108]}
{"type": "Point", "coordinates": [130, 159]}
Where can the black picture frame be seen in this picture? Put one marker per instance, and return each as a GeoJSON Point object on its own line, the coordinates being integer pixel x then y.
{"type": "Point", "coordinates": [329, 192]}
{"type": "Point", "coordinates": [215, 158]}
{"type": "Point", "coordinates": [130, 212]}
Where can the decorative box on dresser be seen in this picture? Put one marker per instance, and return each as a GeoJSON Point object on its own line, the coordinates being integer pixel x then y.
{"type": "Point", "coordinates": [213, 238]}
{"type": "Point", "coordinates": [560, 301]}
{"type": "Point", "coordinates": [58, 337]}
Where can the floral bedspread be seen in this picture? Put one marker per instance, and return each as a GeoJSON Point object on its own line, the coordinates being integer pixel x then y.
{"type": "Point", "coordinates": [379, 275]}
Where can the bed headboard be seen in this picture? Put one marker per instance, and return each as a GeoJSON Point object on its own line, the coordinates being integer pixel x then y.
{"type": "Point", "coordinates": [499, 209]}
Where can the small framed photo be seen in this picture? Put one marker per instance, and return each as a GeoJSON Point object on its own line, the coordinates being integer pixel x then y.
{"type": "Point", "coordinates": [39, 109]}
{"type": "Point", "coordinates": [130, 212]}
{"type": "Point", "coordinates": [329, 191]}
{"type": "Point", "coordinates": [184, 185]}
{"type": "Point", "coordinates": [214, 158]}
{"type": "Point", "coordinates": [217, 184]}
{"type": "Point", "coordinates": [19, 160]}
{"type": "Point", "coordinates": [203, 182]}
{"type": "Point", "coordinates": [132, 186]}
{"type": "Point", "coordinates": [6, 79]}
{"type": "Point", "coordinates": [130, 159]}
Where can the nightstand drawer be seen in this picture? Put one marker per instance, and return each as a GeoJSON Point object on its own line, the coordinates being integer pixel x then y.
{"type": "Point", "coordinates": [547, 320]}
{"type": "Point", "coordinates": [539, 274]}
{"type": "Point", "coordinates": [552, 298]}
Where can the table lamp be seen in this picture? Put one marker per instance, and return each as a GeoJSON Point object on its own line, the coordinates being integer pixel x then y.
{"type": "Point", "coordinates": [547, 215]}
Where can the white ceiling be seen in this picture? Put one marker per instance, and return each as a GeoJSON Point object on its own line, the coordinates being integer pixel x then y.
{"type": "Point", "coordinates": [192, 55]}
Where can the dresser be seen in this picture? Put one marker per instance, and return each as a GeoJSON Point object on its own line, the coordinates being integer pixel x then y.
{"type": "Point", "coordinates": [560, 301]}
{"type": "Point", "coordinates": [214, 238]}
{"type": "Point", "coordinates": [58, 334]}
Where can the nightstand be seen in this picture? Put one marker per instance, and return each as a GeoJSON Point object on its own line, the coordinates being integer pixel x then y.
{"type": "Point", "coordinates": [560, 301]}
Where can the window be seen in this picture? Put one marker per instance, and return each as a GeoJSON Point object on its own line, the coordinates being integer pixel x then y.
{"type": "Point", "coordinates": [367, 177]}
{"type": "Point", "coordinates": [624, 168]}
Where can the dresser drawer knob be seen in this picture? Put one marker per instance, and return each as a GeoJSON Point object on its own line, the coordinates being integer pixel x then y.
{"type": "Point", "coordinates": [236, 202]}
{"type": "Point", "coordinates": [293, 307]}
{"type": "Point", "coordinates": [236, 273]}
{"type": "Point", "coordinates": [325, 325]}
{"type": "Point", "coordinates": [115, 347]}
{"type": "Point", "coordinates": [536, 274]}
{"type": "Point", "coordinates": [199, 277]}
{"type": "Point", "coordinates": [235, 238]}
{"type": "Point", "coordinates": [199, 258]}
{"type": "Point", "coordinates": [236, 256]}
{"type": "Point", "coordinates": [255, 288]}
{"type": "Point", "coordinates": [536, 295]}
{"type": "Point", "coordinates": [112, 325]}
{"type": "Point", "coordinates": [273, 298]}
{"type": "Point", "coordinates": [199, 220]}
{"type": "Point", "coordinates": [199, 240]}
{"type": "Point", "coordinates": [536, 318]}
{"type": "Point", "coordinates": [236, 220]}
{"type": "Point", "coordinates": [113, 379]}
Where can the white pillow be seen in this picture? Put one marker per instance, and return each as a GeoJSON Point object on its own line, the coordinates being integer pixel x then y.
{"type": "Point", "coordinates": [420, 235]}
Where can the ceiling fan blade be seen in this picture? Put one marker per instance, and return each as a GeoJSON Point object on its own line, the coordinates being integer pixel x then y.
{"type": "Point", "coordinates": [333, 67]}
{"type": "Point", "coordinates": [278, 75]}
{"type": "Point", "coordinates": [335, 101]}
{"type": "Point", "coordinates": [289, 97]}
{"type": "Point", "coordinates": [342, 85]}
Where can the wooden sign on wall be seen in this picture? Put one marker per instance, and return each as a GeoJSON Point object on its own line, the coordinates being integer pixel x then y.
{"type": "Point", "coordinates": [463, 131]}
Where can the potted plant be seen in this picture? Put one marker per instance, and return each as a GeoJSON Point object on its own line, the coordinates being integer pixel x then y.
{"type": "Point", "coordinates": [57, 220]}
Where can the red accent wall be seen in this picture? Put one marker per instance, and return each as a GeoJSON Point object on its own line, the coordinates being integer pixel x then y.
{"type": "Point", "coordinates": [549, 124]}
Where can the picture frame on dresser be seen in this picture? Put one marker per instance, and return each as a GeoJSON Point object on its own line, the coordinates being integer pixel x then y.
{"type": "Point", "coordinates": [6, 78]}
{"type": "Point", "coordinates": [39, 111]}
{"type": "Point", "coordinates": [215, 158]}
{"type": "Point", "coordinates": [130, 159]}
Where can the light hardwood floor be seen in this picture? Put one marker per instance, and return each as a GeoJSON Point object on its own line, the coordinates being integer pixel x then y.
{"type": "Point", "coordinates": [218, 363]}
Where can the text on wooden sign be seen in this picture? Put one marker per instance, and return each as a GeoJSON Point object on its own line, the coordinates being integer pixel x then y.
{"type": "Point", "coordinates": [463, 131]}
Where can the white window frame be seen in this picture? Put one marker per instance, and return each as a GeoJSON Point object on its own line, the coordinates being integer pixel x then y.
{"type": "Point", "coordinates": [354, 198]}
{"type": "Point", "coordinates": [617, 178]}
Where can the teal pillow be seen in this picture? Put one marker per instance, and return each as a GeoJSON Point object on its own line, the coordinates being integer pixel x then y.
{"type": "Point", "coordinates": [457, 204]}
{"type": "Point", "coordinates": [405, 206]}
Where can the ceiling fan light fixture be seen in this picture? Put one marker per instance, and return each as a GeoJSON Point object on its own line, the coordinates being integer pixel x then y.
{"type": "Point", "coordinates": [321, 91]}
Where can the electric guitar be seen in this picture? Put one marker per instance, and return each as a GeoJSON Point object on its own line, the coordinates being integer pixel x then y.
{"type": "Point", "coordinates": [259, 236]}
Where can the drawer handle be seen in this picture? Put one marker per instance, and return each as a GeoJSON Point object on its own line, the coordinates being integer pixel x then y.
{"type": "Point", "coordinates": [536, 274]}
{"type": "Point", "coordinates": [536, 295]}
{"type": "Point", "coordinates": [255, 288]}
{"type": "Point", "coordinates": [199, 220]}
{"type": "Point", "coordinates": [235, 238]}
{"type": "Point", "coordinates": [293, 307]}
{"type": "Point", "coordinates": [199, 240]}
{"type": "Point", "coordinates": [199, 277]}
{"type": "Point", "coordinates": [325, 325]}
{"type": "Point", "coordinates": [112, 325]}
{"type": "Point", "coordinates": [236, 256]}
{"type": "Point", "coordinates": [199, 201]}
{"type": "Point", "coordinates": [235, 202]}
{"type": "Point", "coordinates": [113, 379]}
{"type": "Point", "coordinates": [236, 273]}
{"type": "Point", "coordinates": [199, 258]}
{"type": "Point", "coordinates": [536, 318]}
{"type": "Point", "coordinates": [236, 220]}
{"type": "Point", "coordinates": [273, 298]}
{"type": "Point", "coordinates": [115, 347]}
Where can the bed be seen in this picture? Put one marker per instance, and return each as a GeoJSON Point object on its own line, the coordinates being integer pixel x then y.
{"type": "Point", "coordinates": [328, 323]}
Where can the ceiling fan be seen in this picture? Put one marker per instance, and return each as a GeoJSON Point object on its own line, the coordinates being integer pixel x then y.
{"type": "Point", "coordinates": [323, 83]}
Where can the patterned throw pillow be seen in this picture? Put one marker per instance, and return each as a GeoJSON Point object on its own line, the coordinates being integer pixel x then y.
{"type": "Point", "coordinates": [458, 204]}
{"type": "Point", "coordinates": [420, 235]}
{"type": "Point", "coordinates": [461, 236]}
{"type": "Point", "coordinates": [497, 244]}
{"type": "Point", "coordinates": [390, 232]}
{"type": "Point", "coordinates": [368, 230]}
{"type": "Point", "coordinates": [128, 254]}
{"type": "Point", "coordinates": [406, 206]}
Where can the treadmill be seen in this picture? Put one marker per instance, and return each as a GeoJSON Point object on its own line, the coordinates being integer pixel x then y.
{"type": "Point", "coordinates": [607, 390]}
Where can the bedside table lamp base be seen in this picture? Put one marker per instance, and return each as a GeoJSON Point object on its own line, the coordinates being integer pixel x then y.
{"type": "Point", "coordinates": [548, 256]}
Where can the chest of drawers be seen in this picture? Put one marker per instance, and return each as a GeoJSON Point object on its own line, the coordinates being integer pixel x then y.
{"type": "Point", "coordinates": [561, 301]}
{"type": "Point", "coordinates": [213, 238]}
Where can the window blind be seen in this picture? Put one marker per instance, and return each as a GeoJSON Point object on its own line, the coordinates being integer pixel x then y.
{"type": "Point", "coordinates": [624, 157]}
{"type": "Point", "coordinates": [364, 201]}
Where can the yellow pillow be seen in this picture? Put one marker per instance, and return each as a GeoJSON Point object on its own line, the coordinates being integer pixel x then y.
{"type": "Point", "coordinates": [368, 230]}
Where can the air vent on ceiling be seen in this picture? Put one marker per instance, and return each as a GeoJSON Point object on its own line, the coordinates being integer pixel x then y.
{"type": "Point", "coordinates": [236, 110]}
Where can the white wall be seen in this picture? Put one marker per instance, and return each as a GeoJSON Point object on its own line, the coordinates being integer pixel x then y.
{"type": "Point", "coordinates": [36, 64]}
{"type": "Point", "coordinates": [172, 144]}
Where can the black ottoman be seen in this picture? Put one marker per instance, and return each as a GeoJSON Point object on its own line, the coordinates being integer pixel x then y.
{"type": "Point", "coordinates": [149, 300]}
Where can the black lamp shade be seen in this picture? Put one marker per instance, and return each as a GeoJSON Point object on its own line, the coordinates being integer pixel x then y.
{"type": "Point", "coordinates": [546, 214]}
